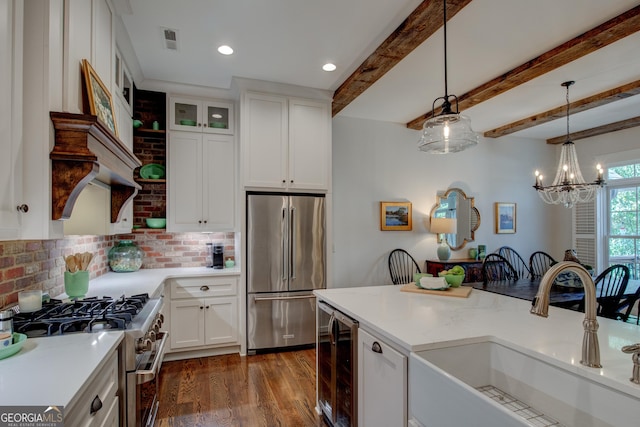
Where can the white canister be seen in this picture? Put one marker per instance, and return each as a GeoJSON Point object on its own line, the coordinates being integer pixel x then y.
{"type": "Point", "coordinates": [29, 301]}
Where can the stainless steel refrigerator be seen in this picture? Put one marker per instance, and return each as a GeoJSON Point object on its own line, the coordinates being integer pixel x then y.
{"type": "Point", "coordinates": [285, 263]}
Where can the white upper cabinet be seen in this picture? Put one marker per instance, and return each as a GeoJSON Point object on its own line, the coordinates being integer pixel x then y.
{"type": "Point", "coordinates": [10, 118]}
{"type": "Point", "coordinates": [201, 182]}
{"type": "Point", "coordinates": [286, 142]}
{"type": "Point", "coordinates": [198, 115]}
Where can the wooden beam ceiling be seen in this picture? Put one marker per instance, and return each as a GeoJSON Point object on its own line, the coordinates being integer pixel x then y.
{"type": "Point", "coordinates": [609, 32]}
{"type": "Point", "coordinates": [600, 130]}
{"type": "Point", "coordinates": [425, 20]}
{"type": "Point", "coordinates": [603, 98]}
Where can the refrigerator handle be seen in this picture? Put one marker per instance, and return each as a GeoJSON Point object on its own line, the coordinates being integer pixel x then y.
{"type": "Point", "coordinates": [292, 239]}
{"type": "Point", "coordinates": [332, 321]}
{"type": "Point", "coordinates": [283, 243]}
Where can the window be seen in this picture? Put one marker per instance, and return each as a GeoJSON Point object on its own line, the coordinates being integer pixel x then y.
{"type": "Point", "coordinates": [622, 230]}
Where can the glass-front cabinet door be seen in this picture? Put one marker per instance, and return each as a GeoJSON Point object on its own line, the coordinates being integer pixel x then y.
{"type": "Point", "coordinates": [194, 115]}
{"type": "Point", "coordinates": [218, 117]}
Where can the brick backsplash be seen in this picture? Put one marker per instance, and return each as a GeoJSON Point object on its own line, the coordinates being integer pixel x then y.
{"type": "Point", "coordinates": [39, 264]}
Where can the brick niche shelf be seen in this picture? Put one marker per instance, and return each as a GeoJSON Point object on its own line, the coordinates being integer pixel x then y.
{"type": "Point", "coordinates": [150, 146]}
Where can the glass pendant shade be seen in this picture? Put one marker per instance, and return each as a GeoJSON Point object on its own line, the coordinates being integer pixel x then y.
{"type": "Point", "coordinates": [447, 133]}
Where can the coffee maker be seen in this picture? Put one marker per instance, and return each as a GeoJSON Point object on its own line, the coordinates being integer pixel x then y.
{"type": "Point", "coordinates": [218, 256]}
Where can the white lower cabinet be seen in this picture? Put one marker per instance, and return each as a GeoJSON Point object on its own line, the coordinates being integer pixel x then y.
{"type": "Point", "coordinates": [98, 405]}
{"type": "Point", "coordinates": [382, 383]}
{"type": "Point", "coordinates": [204, 312]}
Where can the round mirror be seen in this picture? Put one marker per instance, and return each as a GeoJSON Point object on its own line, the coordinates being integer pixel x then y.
{"type": "Point", "coordinates": [454, 203]}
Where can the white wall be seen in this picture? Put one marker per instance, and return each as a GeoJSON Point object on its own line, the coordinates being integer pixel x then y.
{"type": "Point", "coordinates": [377, 161]}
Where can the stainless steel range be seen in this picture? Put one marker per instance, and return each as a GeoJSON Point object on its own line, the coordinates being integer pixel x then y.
{"type": "Point", "coordinates": [141, 352]}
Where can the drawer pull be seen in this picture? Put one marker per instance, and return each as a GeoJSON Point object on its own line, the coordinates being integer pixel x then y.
{"type": "Point", "coordinates": [376, 348]}
{"type": "Point", "coordinates": [96, 405]}
{"type": "Point", "coordinates": [204, 288]}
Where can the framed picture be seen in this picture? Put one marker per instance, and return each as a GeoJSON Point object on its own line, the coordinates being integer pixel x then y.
{"type": "Point", "coordinates": [395, 216]}
{"type": "Point", "coordinates": [505, 215]}
{"type": "Point", "coordinates": [99, 97]}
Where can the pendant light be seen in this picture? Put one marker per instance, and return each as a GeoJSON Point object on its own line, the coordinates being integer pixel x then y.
{"type": "Point", "coordinates": [568, 187]}
{"type": "Point", "coordinates": [449, 131]}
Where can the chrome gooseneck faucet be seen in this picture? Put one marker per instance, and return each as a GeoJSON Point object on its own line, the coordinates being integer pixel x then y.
{"type": "Point", "coordinates": [590, 345]}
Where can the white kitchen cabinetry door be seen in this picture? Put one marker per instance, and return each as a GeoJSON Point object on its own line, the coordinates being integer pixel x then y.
{"type": "Point", "coordinates": [187, 323]}
{"type": "Point", "coordinates": [201, 176]}
{"type": "Point", "coordinates": [309, 144]}
{"type": "Point", "coordinates": [197, 115]}
{"type": "Point", "coordinates": [287, 142]}
{"type": "Point", "coordinates": [10, 117]}
{"type": "Point", "coordinates": [382, 383]}
{"type": "Point", "coordinates": [204, 312]}
{"type": "Point", "coordinates": [221, 324]}
{"type": "Point", "coordinates": [265, 136]}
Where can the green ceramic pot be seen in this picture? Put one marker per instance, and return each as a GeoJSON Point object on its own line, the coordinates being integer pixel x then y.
{"type": "Point", "coordinates": [76, 284]}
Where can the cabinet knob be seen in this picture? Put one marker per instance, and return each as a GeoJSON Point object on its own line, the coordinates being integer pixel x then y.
{"type": "Point", "coordinates": [199, 124]}
{"type": "Point", "coordinates": [201, 308]}
{"type": "Point", "coordinates": [96, 405]}
{"type": "Point", "coordinates": [376, 348]}
{"type": "Point", "coordinates": [199, 221]}
{"type": "Point", "coordinates": [205, 221]}
{"type": "Point", "coordinates": [284, 181]}
{"type": "Point", "coordinates": [207, 307]}
{"type": "Point", "coordinates": [204, 288]}
{"type": "Point", "coordinates": [292, 181]}
{"type": "Point", "coordinates": [23, 208]}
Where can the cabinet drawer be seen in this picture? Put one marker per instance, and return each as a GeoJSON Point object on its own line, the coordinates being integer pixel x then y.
{"type": "Point", "coordinates": [103, 386]}
{"type": "Point", "coordinates": [200, 287]}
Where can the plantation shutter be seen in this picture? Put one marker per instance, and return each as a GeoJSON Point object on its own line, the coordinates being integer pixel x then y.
{"type": "Point", "coordinates": [584, 233]}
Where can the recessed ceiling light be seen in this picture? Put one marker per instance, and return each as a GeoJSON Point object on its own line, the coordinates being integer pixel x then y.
{"type": "Point", "coordinates": [329, 66]}
{"type": "Point", "coordinates": [225, 50]}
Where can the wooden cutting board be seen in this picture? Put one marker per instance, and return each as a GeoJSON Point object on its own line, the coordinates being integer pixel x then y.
{"type": "Point", "coordinates": [461, 292]}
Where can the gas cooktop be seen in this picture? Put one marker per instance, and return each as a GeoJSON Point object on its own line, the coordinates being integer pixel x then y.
{"type": "Point", "coordinates": [87, 315]}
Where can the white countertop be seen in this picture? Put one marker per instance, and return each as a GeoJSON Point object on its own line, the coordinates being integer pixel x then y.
{"type": "Point", "coordinates": [414, 322]}
{"type": "Point", "coordinates": [52, 370]}
{"type": "Point", "coordinates": [147, 280]}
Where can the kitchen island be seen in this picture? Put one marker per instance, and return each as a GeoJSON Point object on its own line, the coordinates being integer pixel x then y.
{"type": "Point", "coordinates": [410, 323]}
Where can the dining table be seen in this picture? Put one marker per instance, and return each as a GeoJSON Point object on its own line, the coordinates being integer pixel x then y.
{"type": "Point", "coordinates": [561, 296]}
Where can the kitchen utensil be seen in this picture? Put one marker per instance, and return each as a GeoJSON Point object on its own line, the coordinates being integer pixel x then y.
{"type": "Point", "coordinates": [151, 169]}
{"type": "Point", "coordinates": [156, 222]}
{"type": "Point", "coordinates": [218, 125]}
{"type": "Point", "coordinates": [154, 176]}
{"type": "Point", "coordinates": [155, 125]}
{"type": "Point", "coordinates": [30, 301]}
{"type": "Point", "coordinates": [137, 123]}
{"type": "Point", "coordinates": [188, 122]}
{"type": "Point", "coordinates": [18, 342]}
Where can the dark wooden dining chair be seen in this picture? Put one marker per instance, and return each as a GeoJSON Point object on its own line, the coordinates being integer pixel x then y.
{"type": "Point", "coordinates": [495, 267]}
{"type": "Point", "coordinates": [627, 303]}
{"type": "Point", "coordinates": [516, 261]}
{"type": "Point", "coordinates": [539, 263]}
{"type": "Point", "coordinates": [402, 266]}
{"type": "Point", "coordinates": [610, 287]}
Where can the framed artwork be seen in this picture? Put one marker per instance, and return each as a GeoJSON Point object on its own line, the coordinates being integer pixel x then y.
{"type": "Point", "coordinates": [99, 97]}
{"type": "Point", "coordinates": [395, 216]}
{"type": "Point", "coordinates": [505, 216]}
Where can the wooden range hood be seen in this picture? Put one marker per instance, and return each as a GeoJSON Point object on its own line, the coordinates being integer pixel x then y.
{"type": "Point", "coordinates": [85, 150]}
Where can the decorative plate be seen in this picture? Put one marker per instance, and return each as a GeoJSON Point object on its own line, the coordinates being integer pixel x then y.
{"type": "Point", "coordinates": [152, 169]}
{"type": "Point", "coordinates": [18, 342]}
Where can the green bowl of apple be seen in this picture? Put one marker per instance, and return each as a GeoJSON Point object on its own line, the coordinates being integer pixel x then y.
{"type": "Point", "coordinates": [453, 276]}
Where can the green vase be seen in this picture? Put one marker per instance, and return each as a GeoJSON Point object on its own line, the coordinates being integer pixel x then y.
{"type": "Point", "coordinates": [125, 257]}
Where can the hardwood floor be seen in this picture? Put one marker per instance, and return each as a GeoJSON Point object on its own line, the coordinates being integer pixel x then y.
{"type": "Point", "coordinates": [275, 389]}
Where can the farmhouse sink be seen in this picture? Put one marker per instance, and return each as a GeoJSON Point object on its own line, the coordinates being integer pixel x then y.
{"type": "Point", "coordinates": [490, 383]}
